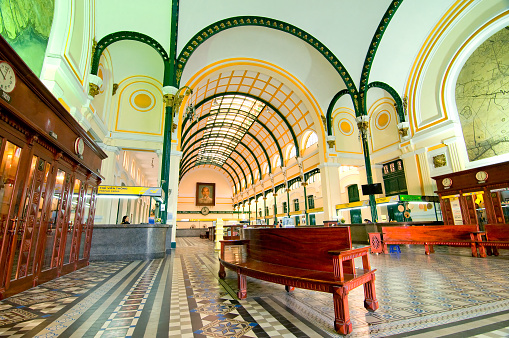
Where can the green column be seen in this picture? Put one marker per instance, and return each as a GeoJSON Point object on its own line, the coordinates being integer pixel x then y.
{"type": "Point", "coordinates": [275, 208]}
{"type": "Point", "coordinates": [305, 203]}
{"type": "Point", "coordinates": [288, 202]}
{"type": "Point", "coordinates": [265, 207]}
{"type": "Point", "coordinates": [369, 175]}
{"type": "Point", "coordinates": [256, 211]}
{"type": "Point", "coordinates": [170, 79]}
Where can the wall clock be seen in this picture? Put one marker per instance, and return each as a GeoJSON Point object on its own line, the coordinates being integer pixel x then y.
{"type": "Point", "coordinates": [7, 77]}
{"type": "Point", "coordinates": [79, 146]}
{"type": "Point", "coordinates": [204, 211]}
{"type": "Point", "coordinates": [447, 182]}
{"type": "Point", "coordinates": [481, 176]}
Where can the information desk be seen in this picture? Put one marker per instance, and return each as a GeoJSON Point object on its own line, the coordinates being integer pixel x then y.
{"type": "Point", "coordinates": [112, 242]}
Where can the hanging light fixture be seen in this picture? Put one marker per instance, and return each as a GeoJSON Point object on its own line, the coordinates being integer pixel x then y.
{"type": "Point", "coordinates": [190, 113]}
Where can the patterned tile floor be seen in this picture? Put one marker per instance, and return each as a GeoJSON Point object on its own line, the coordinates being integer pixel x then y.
{"type": "Point", "coordinates": [447, 294]}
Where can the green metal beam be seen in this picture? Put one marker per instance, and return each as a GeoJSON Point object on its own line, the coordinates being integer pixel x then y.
{"type": "Point", "coordinates": [240, 167]}
{"type": "Point", "coordinates": [184, 143]}
{"type": "Point", "coordinates": [225, 154]}
{"type": "Point", "coordinates": [282, 26]}
{"type": "Point", "coordinates": [395, 96]}
{"type": "Point", "coordinates": [263, 125]}
{"type": "Point", "coordinates": [234, 184]}
{"type": "Point", "coordinates": [126, 35]}
{"type": "Point", "coordinates": [232, 139]}
{"type": "Point", "coordinates": [330, 109]}
{"type": "Point", "coordinates": [267, 103]}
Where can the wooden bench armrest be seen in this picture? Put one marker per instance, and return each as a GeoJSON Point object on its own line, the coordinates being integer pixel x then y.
{"type": "Point", "coordinates": [348, 256]}
{"type": "Point", "coordinates": [227, 242]}
{"type": "Point", "coordinates": [345, 254]}
{"type": "Point", "coordinates": [234, 241]}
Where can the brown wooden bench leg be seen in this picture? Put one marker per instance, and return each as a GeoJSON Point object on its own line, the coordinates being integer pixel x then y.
{"type": "Point", "coordinates": [474, 250]}
{"type": "Point", "coordinates": [495, 251]}
{"type": "Point", "coordinates": [426, 249]}
{"type": "Point", "coordinates": [370, 301]}
{"type": "Point", "coordinates": [289, 288]}
{"type": "Point", "coordinates": [482, 251]}
{"type": "Point", "coordinates": [385, 249]}
{"type": "Point", "coordinates": [342, 322]}
{"type": "Point", "coordinates": [242, 284]}
{"type": "Point", "coordinates": [222, 273]}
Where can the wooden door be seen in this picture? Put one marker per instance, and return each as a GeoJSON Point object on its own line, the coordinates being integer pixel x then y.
{"type": "Point", "coordinates": [56, 226]}
{"type": "Point", "coordinates": [10, 155]}
{"type": "Point", "coordinates": [74, 226]}
{"type": "Point", "coordinates": [23, 261]}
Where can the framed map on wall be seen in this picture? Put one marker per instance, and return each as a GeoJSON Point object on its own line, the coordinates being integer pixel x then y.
{"type": "Point", "coordinates": [205, 194]}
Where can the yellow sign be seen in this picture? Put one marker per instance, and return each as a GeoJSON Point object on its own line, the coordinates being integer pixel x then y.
{"type": "Point", "coordinates": [315, 210]}
{"type": "Point", "coordinates": [133, 191]}
{"type": "Point", "coordinates": [352, 205]}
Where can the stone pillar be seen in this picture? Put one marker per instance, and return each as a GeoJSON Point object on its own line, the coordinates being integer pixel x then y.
{"type": "Point", "coordinates": [330, 189]}
{"type": "Point", "coordinates": [219, 233]}
{"type": "Point", "coordinates": [106, 208]}
{"type": "Point", "coordinates": [452, 145]}
{"type": "Point", "coordinates": [427, 182]}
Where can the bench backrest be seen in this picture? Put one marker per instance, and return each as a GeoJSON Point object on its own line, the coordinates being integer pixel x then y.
{"type": "Point", "coordinates": [429, 233]}
{"type": "Point", "coordinates": [497, 232]}
{"type": "Point", "coordinates": [305, 248]}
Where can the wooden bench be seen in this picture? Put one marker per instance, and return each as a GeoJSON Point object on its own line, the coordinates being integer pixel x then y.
{"type": "Point", "coordinates": [320, 259]}
{"type": "Point", "coordinates": [453, 235]}
{"type": "Point", "coordinates": [497, 236]}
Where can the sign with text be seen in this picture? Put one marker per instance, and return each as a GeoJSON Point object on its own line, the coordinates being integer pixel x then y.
{"type": "Point", "coordinates": [132, 191]}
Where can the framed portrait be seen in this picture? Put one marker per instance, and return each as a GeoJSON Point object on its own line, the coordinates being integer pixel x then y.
{"type": "Point", "coordinates": [205, 194]}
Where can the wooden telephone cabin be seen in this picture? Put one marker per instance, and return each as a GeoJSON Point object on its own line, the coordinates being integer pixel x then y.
{"type": "Point", "coordinates": [475, 196]}
{"type": "Point", "coordinates": [49, 173]}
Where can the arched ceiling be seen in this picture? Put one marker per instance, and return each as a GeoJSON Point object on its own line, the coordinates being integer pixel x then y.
{"type": "Point", "coordinates": [244, 119]}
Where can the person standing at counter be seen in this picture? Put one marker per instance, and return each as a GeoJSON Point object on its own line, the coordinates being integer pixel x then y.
{"type": "Point", "coordinates": [125, 220]}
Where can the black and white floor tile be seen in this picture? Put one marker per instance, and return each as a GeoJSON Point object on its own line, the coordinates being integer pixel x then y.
{"type": "Point", "coordinates": [446, 294]}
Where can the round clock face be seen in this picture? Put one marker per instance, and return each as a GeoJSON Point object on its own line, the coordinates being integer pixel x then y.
{"type": "Point", "coordinates": [7, 77]}
{"type": "Point", "coordinates": [481, 175]}
{"type": "Point", "coordinates": [204, 211]}
{"type": "Point", "coordinates": [447, 182]}
{"type": "Point", "coordinates": [79, 146]}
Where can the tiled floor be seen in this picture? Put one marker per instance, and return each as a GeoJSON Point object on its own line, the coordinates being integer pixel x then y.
{"type": "Point", "coordinates": [447, 294]}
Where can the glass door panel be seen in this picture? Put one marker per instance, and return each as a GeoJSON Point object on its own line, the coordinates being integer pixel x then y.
{"type": "Point", "coordinates": [8, 169]}
{"type": "Point", "coordinates": [86, 212]}
{"type": "Point", "coordinates": [73, 225]}
{"type": "Point", "coordinates": [25, 230]}
{"type": "Point", "coordinates": [40, 215]}
{"type": "Point", "coordinates": [49, 261]}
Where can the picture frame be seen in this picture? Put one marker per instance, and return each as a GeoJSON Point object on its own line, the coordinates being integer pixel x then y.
{"type": "Point", "coordinates": [205, 194]}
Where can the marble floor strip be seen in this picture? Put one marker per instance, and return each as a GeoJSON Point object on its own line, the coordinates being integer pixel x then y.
{"type": "Point", "coordinates": [447, 294]}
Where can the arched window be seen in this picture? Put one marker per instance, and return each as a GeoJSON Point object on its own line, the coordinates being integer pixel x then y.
{"type": "Point", "coordinates": [265, 168]}
{"type": "Point", "coordinates": [277, 162]}
{"type": "Point", "coordinates": [290, 152]}
{"type": "Point", "coordinates": [312, 139]}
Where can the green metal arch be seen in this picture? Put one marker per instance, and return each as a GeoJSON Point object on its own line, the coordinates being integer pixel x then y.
{"type": "Point", "coordinates": [240, 21]}
{"type": "Point", "coordinates": [375, 42]}
{"type": "Point", "coordinates": [295, 142]}
{"type": "Point", "coordinates": [331, 108]}
{"type": "Point", "coordinates": [230, 138]}
{"type": "Point", "coordinates": [395, 96]}
{"type": "Point", "coordinates": [238, 165]}
{"type": "Point", "coordinates": [233, 150]}
{"type": "Point", "coordinates": [233, 180]}
{"type": "Point", "coordinates": [127, 35]}
{"type": "Point", "coordinates": [184, 144]}
{"type": "Point", "coordinates": [263, 125]}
